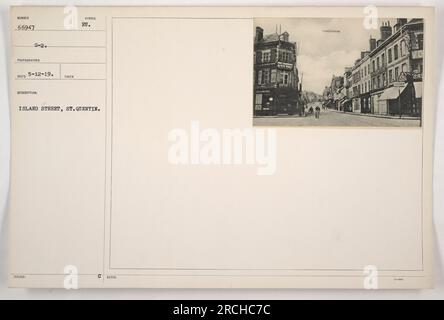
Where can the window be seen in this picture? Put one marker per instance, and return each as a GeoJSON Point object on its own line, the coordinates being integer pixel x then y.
{"type": "Point", "coordinates": [404, 67]}
{"type": "Point", "coordinates": [390, 76]}
{"type": "Point", "coordinates": [383, 59]}
{"type": "Point", "coordinates": [365, 87]}
{"type": "Point", "coordinates": [390, 58]}
{"type": "Point", "coordinates": [396, 73]}
{"type": "Point", "coordinates": [259, 77]}
{"type": "Point", "coordinates": [384, 79]}
{"type": "Point", "coordinates": [401, 48]}
{"type": "Point", "coordinates": [258, 101]}
{"type": "Point", "coordinates": [396, 51]}
{"type": "Point", "coordinates": [273, 75]}
{"type": "Point", "coordinates": [284, 56]}
{"type": "Point", "coordinates": [379, 81]}
{"type": "Point", "coordinates": [420, 38]}
{"type": "Point", "coordinates": [266, 76]}
{"type": "Point", "coordinates": [373, 65]}
{"type": "Point", "coordinates": [266, 56]}
{"type": "Point", "coordinates": [285, 78]}
{"type": "Point", "coordinates": [377, 62]}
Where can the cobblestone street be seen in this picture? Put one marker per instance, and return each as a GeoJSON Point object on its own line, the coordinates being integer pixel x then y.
{"type": "Point", "coordinates": [334, 118]}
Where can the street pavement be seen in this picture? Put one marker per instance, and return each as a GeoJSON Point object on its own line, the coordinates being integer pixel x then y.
{"type": "Point", "coordinates": [334, 118]}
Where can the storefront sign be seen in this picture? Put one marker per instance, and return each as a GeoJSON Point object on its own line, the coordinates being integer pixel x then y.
{"type": "Point", "coordinates": [285, 66]}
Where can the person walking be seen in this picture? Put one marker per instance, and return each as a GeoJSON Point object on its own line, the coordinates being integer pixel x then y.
{"type": "Point", "coordinates": [317, 112]}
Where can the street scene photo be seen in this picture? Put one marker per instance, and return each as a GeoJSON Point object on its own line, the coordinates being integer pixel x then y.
{"type": "Point", "coordinates": [338, 72]}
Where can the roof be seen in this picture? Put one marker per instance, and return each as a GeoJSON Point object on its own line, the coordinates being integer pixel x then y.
{"type": "Point", "coordinates": [270, 37]}
{"type": "Point", "coordinates": [273, 37]}
{"type": "Point", "coordinates": [396, 34]}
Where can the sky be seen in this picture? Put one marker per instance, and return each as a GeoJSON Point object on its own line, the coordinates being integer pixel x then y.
{"type": "Point", "coordinates": [324, 54]}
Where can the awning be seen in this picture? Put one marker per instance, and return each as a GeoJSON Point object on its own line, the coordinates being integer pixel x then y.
{"type": "Point", "coordinates": [392, 93]}
{"type": "Point", "coordinates": [339, 96]}
{"type": "Point", "coordinates": [345, 101]}
{"type": "Point", "coordinates": [418, 89]}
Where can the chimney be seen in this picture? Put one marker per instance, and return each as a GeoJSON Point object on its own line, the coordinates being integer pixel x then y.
{"type": "Point", "coordinates": [285, 36]}
{"type": "Point", "coordinates": [372, 44]}
{"type": "Point", "coordinates": [259, 34]}
{"type": "Point", "coordinates": [386, 31]}
{"type": "Point", "coordinates": [401, 21]}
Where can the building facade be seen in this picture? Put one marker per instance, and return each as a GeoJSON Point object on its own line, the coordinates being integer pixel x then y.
{"type": "Point", "coordinates": [387, 79]}
{"type": "Point", "coordinates": [397, 68]}
{"type": "Point", "coordinates": [346, 104]}
{"type": "Point", "coordinates": [276, 80]}
{"type": "Point", "coordinates": [337, 91]}
{"type": "Point", "coordinates": [356, 88]}
{"type": "Point", "coordinates": [365, 84]}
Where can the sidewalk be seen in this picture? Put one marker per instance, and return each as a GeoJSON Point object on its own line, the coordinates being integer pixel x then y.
{"type": "Point", "coordinates": [376, 115]}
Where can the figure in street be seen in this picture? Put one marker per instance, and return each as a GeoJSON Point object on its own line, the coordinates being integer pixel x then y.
{"type": "Point", "coordinates": [317, 112]}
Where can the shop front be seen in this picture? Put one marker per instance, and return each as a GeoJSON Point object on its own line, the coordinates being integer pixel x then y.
{"type": "Point", "coordinates": [276, 101]}
{"type": "Point", "coordinates": [365, 103]}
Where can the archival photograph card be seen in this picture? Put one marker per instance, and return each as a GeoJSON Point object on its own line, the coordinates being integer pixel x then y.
{"type": "Point", "coordinates": [247, 147]}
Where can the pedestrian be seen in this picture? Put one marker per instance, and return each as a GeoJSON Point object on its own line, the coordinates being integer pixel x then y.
{"type": "Point", "coordinates": [317, 112]}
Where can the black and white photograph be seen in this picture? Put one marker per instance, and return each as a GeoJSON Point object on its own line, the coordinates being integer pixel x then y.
{"type": "Point", "coordinates": [338, 72]}
{"type": "Point", "coordinates": [205, 152]}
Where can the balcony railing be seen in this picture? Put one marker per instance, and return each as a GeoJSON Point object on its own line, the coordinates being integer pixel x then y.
{"type": "Point", "coordinates": [379, 70]}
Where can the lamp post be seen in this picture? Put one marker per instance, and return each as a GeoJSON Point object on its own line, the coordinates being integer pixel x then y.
{"type": "Point", "coordinates": [399, 102]}
{"type": "Point", "coordinates": [407, 38]}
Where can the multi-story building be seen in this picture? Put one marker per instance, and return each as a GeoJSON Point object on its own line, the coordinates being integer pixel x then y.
{"type": "Point", "coordinates": [387, 79]}
{"type": "Point", "coordinates": [365, 82]}
{"type": "Point", "coordinates": [396, 69]}
{"type": "Point", "coordinates": [337, 91]}
{"type": "Point", "coordinates": [356, 88]}
{"type": "Point", "coordinates": [327, 97]}
{"type": "Point", "coordinates": [361, 82]}
{"type": "Point", "coordinates": [276, 81]}
{"type": "Point", "coordinates": [346, 104]}
{"type": "Point", "coordinates": [379, 70]}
